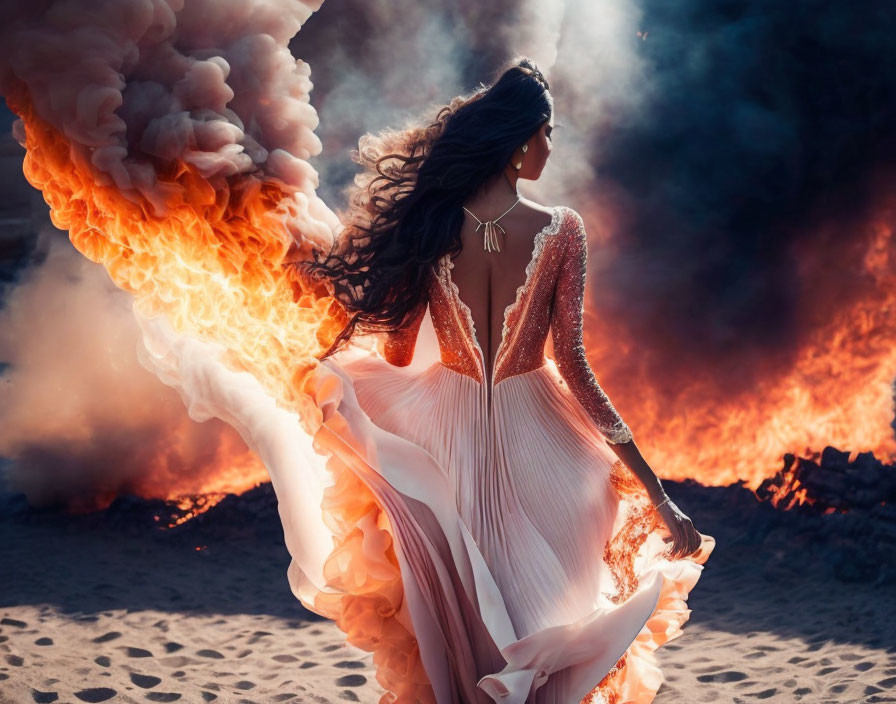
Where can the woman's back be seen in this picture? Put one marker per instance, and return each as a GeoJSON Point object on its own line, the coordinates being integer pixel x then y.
{"type": "Point", "coordinates": [488, 281]}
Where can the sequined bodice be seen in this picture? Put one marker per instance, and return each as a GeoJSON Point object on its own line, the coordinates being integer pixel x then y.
{"type": "Point", "coordinates": [529, 313]}
{"type": "Point", "coordinates": [550, 300]}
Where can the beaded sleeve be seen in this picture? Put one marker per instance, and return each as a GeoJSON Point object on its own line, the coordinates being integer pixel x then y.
{"type": "Point", "coordinates": [397, 347]}
{"type": "Point", "coordinates": [567, 337]}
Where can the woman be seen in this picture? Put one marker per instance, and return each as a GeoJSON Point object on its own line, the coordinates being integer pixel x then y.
{"type": "Point", "coordinates": [486, 525]}
{"type": "Point", "coordinates": [530, 453]}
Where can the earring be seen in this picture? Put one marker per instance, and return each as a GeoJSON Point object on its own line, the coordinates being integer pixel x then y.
{"type": "Point", "coordinates": [519, 164]}
{"type": "Point", "coordinates": [525, 148]}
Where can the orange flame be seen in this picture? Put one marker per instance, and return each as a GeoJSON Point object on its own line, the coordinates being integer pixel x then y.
{"type": "Point", "coordinates": [836, 389]}
{"type": "Point", "coordinates": [209, 258]}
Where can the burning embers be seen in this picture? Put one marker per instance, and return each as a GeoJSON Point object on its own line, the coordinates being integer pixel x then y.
{"type": "Point", "coordinates": [832, 484]}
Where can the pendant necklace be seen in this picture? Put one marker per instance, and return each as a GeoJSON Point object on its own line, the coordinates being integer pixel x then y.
{"type": "Point", "coordinates": [490, 234]}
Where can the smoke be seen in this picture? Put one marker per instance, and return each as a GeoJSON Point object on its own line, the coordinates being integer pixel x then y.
{"type": "Point", "coordinates": [743, 190]}
{"type": "Point", "coordinates": [140, 86]}
{"type": "Point", "coordinates": [379, 65]}
{"type": "Point", "coordinates": [80, 418]}
{"type": "Point", "coordinates": [710, 146]}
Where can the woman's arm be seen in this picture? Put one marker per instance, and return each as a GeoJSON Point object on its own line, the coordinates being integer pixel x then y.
{"type": "Point", "coordinates": [569, 353]}
{"type": "Point", "coordinates": [397, 347]}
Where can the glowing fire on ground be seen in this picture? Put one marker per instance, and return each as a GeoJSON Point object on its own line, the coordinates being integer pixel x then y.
{"type": "Point", "coordinates": [837, 389]}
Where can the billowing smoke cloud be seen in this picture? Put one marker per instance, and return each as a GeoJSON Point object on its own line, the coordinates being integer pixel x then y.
{"type": "Point", "coordinates": [79, 416]}
{"type": "Point", "coordinates": [743, 190]}
{"type": "Point", "coordinates": [378, 65]}
{"type": "Point", "coordinates": [140, 86]}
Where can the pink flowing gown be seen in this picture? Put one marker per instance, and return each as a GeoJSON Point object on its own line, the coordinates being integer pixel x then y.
{"type": "Point", "coordinates": [470, 527]}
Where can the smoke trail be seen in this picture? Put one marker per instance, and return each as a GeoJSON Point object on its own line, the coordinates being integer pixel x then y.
{"type": "Point", "coordinates": [171, 139]}
{"type": "Point", "coordinates": [82, 420]}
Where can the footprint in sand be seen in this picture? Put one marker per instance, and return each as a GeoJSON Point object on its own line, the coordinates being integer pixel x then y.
{"type": "Point", "coordinates": [209, 653]}
{"type": "Point", "coordinates": [96, 694]}
{"type": "Point", "coordinates": [163, 696]}
{"type": "Point", "coordinates": [44, 641]}
{"type": "Point", "coordinates": [727, 676]}
{"type": "Point", "coordinates": [106, 637]}
{"type": "Point", "coordinates": [285, 658]}
{"type": "Point", "coordinates": [351, 681]}
{"type": "Point", "coordinates": [44, 697]}
{"type": "Point", "coordinates": [350, 664]}
{"type": "Point", "coordinates": [145, 681]}
{"type": "Point", "coordinates": [764, 694]}
{"type": "Point", "coordinates": [137, 652]}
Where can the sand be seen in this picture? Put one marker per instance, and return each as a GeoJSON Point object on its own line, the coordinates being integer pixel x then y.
{"type": "Point", "coordinates": [107, 609]}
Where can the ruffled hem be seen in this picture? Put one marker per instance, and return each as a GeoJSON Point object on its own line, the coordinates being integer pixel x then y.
{"type": "Point", "coordinates": [365, 596]}
{"type": "Point", "coordinates": [649, 609]}
{"type": "Point", "coordinates": [636, 676]}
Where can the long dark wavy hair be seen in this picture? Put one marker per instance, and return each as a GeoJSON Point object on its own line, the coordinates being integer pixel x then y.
{"type": "Point", "coordinates": [406, 207]}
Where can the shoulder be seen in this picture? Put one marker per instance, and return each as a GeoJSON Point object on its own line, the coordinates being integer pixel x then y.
{"type": "Point", "coordinates": [558, 218]}
{"type": "Point", "coordinates": [570, 227]}
{"type": "Point", "coordinates": [571, 218]}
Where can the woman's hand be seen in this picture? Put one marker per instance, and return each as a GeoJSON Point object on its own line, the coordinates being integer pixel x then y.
{"type": "Point", "coordinates": [684, 538]}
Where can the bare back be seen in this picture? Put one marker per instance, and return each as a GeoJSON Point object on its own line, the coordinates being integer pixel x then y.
{"type": "Point", "coordinates": [487, 281]}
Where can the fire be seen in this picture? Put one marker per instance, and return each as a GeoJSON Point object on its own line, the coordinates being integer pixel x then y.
{"type": "Point", "coordinates": [837, 390]}
{"type": "Point", "coordinates": [208, 257]}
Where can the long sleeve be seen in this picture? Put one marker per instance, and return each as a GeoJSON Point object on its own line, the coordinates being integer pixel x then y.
{"type": "Point", "coordinates": [567, 337]}
{"type": "Point", "coordinates": [398, 347]}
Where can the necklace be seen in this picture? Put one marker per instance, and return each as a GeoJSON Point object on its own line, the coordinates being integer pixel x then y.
{"type": "Point", "coordinates": [489, 234]}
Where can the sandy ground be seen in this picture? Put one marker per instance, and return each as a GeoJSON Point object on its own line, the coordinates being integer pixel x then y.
{"type": "Point", "coordinates": [111, 611]}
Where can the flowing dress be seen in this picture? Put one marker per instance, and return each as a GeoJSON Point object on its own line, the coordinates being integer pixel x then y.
{"type": "Point", "coordinates": [474, 530]}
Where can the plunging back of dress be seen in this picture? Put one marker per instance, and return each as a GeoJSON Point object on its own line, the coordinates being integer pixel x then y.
{"type": "Point", "coordinates": [490, 282]}
{"type": "Point", "coordinates": [550, 299]}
